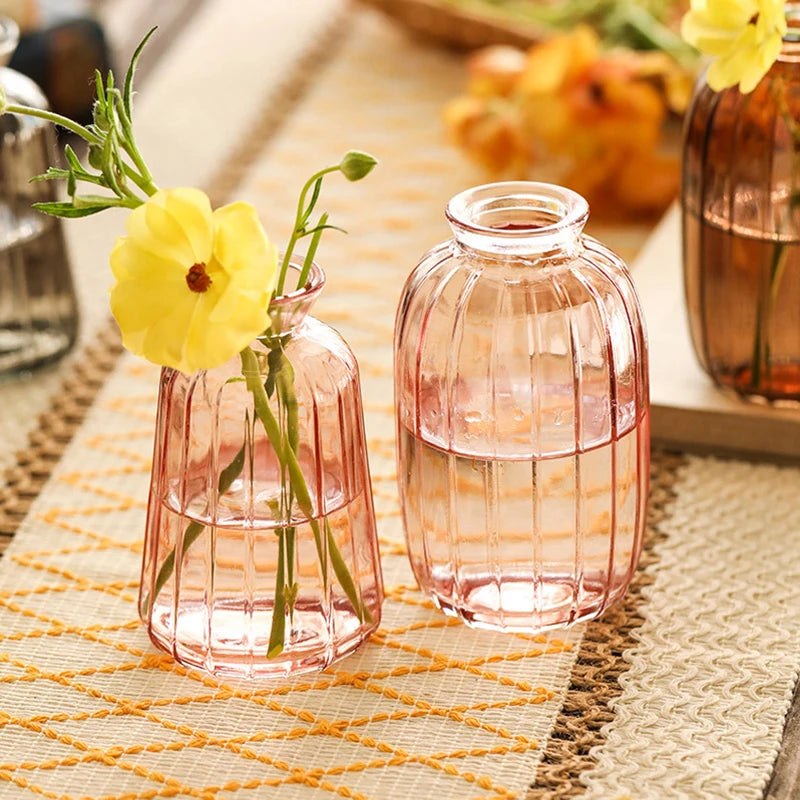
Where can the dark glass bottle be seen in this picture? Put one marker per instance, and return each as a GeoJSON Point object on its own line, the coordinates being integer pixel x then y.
{"type": "Point", "coordinates": [741, 230]}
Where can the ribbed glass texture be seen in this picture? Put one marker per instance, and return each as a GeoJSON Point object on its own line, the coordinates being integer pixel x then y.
{"type": "Point", "coordinates": [741, 230]}
{"type": "Point", "coordinates": [522, 413]}
{"type": "Point", "coordinates": [214, 609]}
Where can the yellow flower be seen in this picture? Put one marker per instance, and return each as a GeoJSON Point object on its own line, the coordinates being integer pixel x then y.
{"type": "Point", "coordinates": [743, 36]}
{"type": "Point", "coordinates": [193, 287]}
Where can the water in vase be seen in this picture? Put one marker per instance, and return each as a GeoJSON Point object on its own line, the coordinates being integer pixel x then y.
{"type": "Point", "coordinates": [521, 543]}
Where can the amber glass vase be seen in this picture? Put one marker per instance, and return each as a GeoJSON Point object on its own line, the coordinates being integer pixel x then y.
{"type": "Point", "coordinates": [522, 413]}
{"type": "Point", "coordinates": [259, 562]}
{"type": "Point", "coordinates": [741, 230]}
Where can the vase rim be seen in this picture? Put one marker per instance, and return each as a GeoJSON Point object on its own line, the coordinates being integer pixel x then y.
{"type": "Point", "coordinates": [517, 217]}
{"type": "Point", "coordinates": [307, 293]}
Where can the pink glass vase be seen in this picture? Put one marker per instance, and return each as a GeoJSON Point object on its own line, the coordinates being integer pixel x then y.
{"type": "Point", "coordinates": [522, 410]}
{"type": "Point", "coordinates": [258, 562]}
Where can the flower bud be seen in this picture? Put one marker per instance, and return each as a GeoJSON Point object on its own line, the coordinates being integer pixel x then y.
{"type": "Point", "coordinates": [356, 165]}
{"type": "Point", "coordinates": [96, 156]}
{"type": "Point", "coordinates": [100, 116]}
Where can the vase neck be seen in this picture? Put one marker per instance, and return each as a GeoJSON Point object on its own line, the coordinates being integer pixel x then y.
{"type": "Point", "coordinates": [518, 218]}
{"type": "Point", "coordinates": [288, 311]}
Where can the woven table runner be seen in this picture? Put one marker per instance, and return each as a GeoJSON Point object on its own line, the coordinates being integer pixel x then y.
{"type": "Point", "coordinates": [679, 692]}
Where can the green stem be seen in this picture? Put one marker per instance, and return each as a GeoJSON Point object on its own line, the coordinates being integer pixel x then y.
{"type": "Point", "coordinates": [299, 229]}
{"type": "Point", "coordinates": [762, 357]}
{"type": "Point", "coordinates": [143, 181]}
{"type": "Point", "coordinates": [287, 456]}
{"type": "Point", "coordinates": [194, 529]}
{"type": "Point", "coordinates": [277, 634]}
{"type": "Point", "coordinates": [132, 149]}
{"type": "Point", "coordinates": [285, 448]}
{"type": "Point", "coordinates": [284, 384]}
{"type": "Point", "coordinates": [761, 349]}
{"type": "Point", "coordinates": [57, 119]}
{"type": "Point", "coordinates": [312, 251]}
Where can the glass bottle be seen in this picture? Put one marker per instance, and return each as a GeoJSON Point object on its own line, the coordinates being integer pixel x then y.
{"type": "Point", "coordinates": [38, 306]}
{"type": "Point", "coordinates": [741, 229]}
{"type": "Point", "coordinates": [522, 413]}
{"type": "Point", "coordinates": [261, 588]}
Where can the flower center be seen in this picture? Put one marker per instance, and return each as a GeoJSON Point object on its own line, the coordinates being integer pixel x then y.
{"type": "Point", "coordinates": [197, 278]}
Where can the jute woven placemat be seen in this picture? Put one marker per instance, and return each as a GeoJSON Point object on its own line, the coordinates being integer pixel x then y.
{"type": "Point", "coordinates": [427, 707]}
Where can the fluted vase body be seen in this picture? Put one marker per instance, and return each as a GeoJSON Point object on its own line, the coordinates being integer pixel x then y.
{"type": "Point", "coordinates": [522, 413]}
{"type": "Point", "coordinates": [248, 569]}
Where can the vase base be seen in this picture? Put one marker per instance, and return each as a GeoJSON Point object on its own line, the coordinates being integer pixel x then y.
{"type": "Point", "coordinates": [237, 644]}
{"type": "Point", "coordinates": [526, 607]}
{"type": "Point", "coordinates": [780, 387]}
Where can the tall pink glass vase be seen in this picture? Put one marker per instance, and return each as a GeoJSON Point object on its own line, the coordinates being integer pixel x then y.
{"type": "Point", "coordinates": [249, 569]}
{"type": "Point", "coordinates": [522, 413]}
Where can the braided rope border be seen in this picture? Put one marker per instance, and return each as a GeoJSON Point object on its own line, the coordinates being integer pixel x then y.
{"type": "Point", "coordinates": [595, 676]}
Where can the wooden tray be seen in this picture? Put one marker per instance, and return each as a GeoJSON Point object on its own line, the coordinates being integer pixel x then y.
{"type": "Point", "coordinates": [688, 410]}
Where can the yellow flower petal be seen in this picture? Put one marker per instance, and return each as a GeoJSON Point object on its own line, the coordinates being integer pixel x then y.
{"type": "Point", "coordinates": [241, 244]}
{"type": "Point", "coordinates": [191, 326]}
{"type": "Point", "coordinates": [744, 36]}
{"type": "Point", "coordinates": [164, 342]}
{"type": "Point", "coordinates": [129, 260]}
{"type": "Point", "coordinates": [170, 224]}
{"type": "Point", "coordinates": [140, 304]}
{"type": "Point", "coordinates": [249, 259]}
{"type": "Point", "coordinates": [193, 209]}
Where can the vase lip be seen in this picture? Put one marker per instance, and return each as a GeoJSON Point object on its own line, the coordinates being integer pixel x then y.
{"type": "Point", "coordinates": [305, 294]}
{"type": "Point", "coordinates": [517, 217]}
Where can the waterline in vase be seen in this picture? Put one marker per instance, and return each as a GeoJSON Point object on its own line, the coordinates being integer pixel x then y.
{"type": "Point", "coordinates": [519, 543]}
{"type": "Point", "coordinates": [223, 613]}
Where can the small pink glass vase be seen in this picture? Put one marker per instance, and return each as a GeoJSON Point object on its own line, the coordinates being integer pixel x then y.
{"type": "Point", "coordinates": [279, 574]}
{"type": "Point", "coordinates": [522, 409]}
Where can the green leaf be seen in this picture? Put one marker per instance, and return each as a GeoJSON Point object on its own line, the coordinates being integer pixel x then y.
{"type": "Point", "coordinates": [52, 174]}
{"type": "Point", "coordinates": [344, 577]}
{"type": "Point", "coordinates": [127, 94]}
{"type": "Point", "coordinates": [277, 632]}
{"type": "Point", "coordinates": [231, 472]}
{"type": "Point", "coordinates": [322, 226]}
{"type": "Point", "coordinates": [311, 204]}
{"type": "Point", "coordinates": [72, 159]}
{"type": "Point", "coordinates": [190, 535]}
{"type": "Point", "coordinates": [100, 89]}
{"type": "Point", "coordinates": [274, 364]}
{"type": "Point", "coordinates": [69, 211]}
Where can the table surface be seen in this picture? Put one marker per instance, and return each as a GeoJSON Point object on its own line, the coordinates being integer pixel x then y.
{"type": "Point", "coordinates": [682, 691]}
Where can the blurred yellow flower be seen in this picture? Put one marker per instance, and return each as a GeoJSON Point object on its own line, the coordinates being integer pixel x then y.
{"type": "Point", "coordinates": [193, 286]}
{"type": "Point", "coordinates": [571, 112]}
{"type": "Point", "coordinates": [743, 37]}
